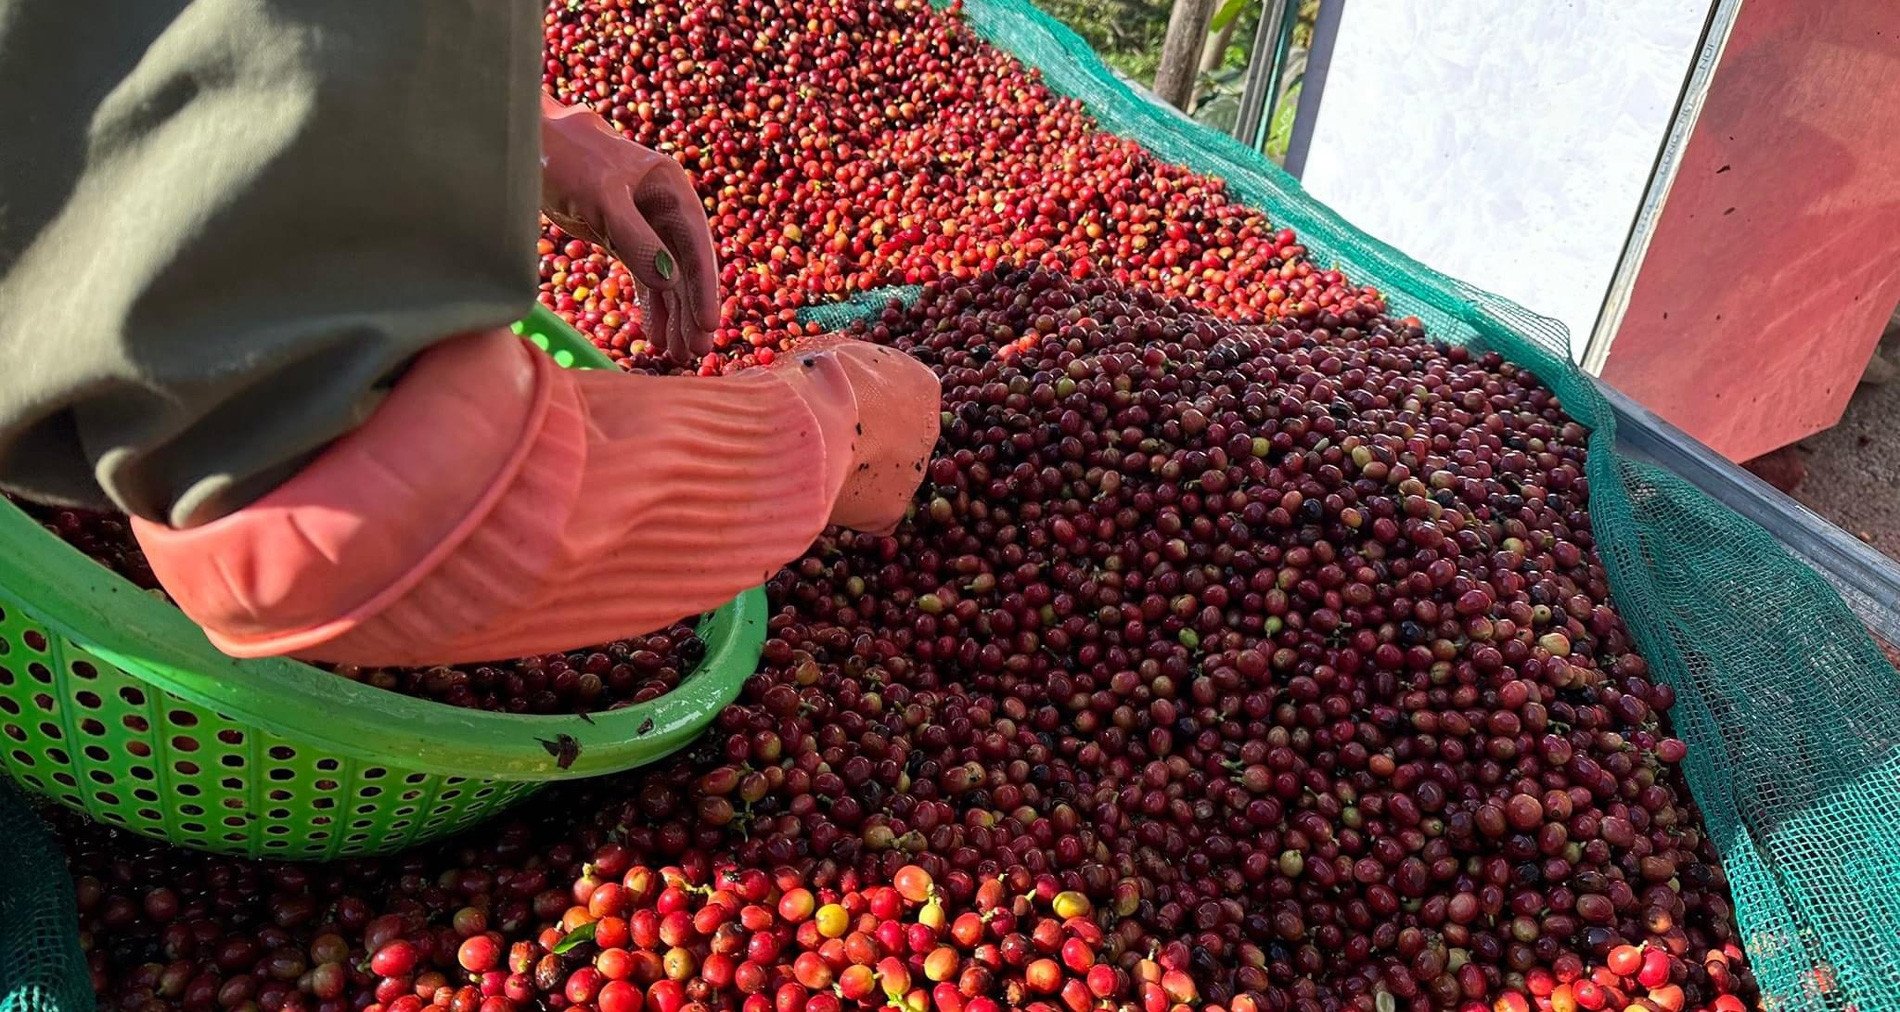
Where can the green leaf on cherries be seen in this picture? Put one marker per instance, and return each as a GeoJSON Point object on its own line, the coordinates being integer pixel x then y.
{"type": "Point", "coordinates": [579, 936]}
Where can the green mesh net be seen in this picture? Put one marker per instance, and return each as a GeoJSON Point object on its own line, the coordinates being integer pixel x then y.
{"type": "Point", "coordinates": [1788, 706]}
{"type": "Point", "coordinates": [836, 315]}
{"type": "Point", "coordinates": [41, 968]}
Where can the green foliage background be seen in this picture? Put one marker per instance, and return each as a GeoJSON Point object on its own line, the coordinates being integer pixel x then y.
{"type": "Point", "coordinates": [1128, 33]}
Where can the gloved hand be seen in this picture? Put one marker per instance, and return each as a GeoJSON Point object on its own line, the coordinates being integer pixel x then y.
{"type": "Point", "coordinates": [890, 391]}
{"type": "Point", "coordinates": [496, 505]}
{"type": "Point", "coordinates": [604, 189]}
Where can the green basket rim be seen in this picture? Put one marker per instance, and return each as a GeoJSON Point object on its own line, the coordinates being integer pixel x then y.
{"type": "Point", "coordinates": [154, 642]}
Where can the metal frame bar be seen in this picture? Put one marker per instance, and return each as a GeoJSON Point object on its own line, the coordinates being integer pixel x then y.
{"type": "Point", "coordinates": [1867, 580]}
{"type": "Point", "coordinates": [1260, 90]}
{"type": "Point", "coordinates": [1318, 59]}
{"type": "Point", "coordinates": [1695, 92]}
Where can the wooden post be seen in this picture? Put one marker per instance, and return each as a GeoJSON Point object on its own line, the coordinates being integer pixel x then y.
{"type": "Point", "coordinates": [1260, 91]}
{"type": "Point", "coordinates": [1216, 49]}
{"type": "Point", "coordinates": [1181, 50]}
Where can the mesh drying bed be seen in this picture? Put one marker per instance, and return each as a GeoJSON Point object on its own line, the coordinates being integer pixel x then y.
{"type": "Point", "coordinates": [1790, 709]}
{"type": "Point", "coordinates": [1786, 702]}
{"type": "Point", "coordinates": [113, 703]}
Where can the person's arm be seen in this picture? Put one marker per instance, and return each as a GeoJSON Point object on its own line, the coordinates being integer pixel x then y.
{"type": "Point", "coordinates": [600, 187]}
{"type": "Point", "coordinates": [269, 211]}
{"type": "Point", "coordinates": [497, 505]}
{"type": "Point", "coordinates": [225, 228]}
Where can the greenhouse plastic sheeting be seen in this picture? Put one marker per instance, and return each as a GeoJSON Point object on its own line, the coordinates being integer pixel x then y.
{"type": "Point", "coordinates": [1791, 712]}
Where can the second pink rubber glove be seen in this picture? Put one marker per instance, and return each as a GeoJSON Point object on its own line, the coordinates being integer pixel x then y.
{"type": "Point", "coordinates": [601, 187]}
{"type": "Point", "coordinates": [496, 505]}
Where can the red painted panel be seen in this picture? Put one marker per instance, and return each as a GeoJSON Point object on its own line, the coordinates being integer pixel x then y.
{"type": "Point", "coordinates": [1776, 260]}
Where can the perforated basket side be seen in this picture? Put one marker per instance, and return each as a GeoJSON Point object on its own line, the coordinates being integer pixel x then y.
{"type": "Point", "coordinates": [81, 730]}
{"type": "Point", "coordinates": [113, 703]}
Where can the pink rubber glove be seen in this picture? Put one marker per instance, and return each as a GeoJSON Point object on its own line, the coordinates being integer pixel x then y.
{"type": "Point", "coordinates": [604, 189]}
{"type": "Point", "coordinates": [497, 506]}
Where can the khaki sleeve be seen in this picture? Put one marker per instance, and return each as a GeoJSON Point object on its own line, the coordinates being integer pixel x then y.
{"type": "Point", "coordinates": [226, 225]}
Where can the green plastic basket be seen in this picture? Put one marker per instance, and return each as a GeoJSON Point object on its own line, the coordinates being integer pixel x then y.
{"type": "Point", "coordinates": [113, 703]}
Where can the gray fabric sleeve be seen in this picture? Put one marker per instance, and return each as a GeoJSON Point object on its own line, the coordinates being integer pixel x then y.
{"type": "Point", "coordinates": [226, 224]}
